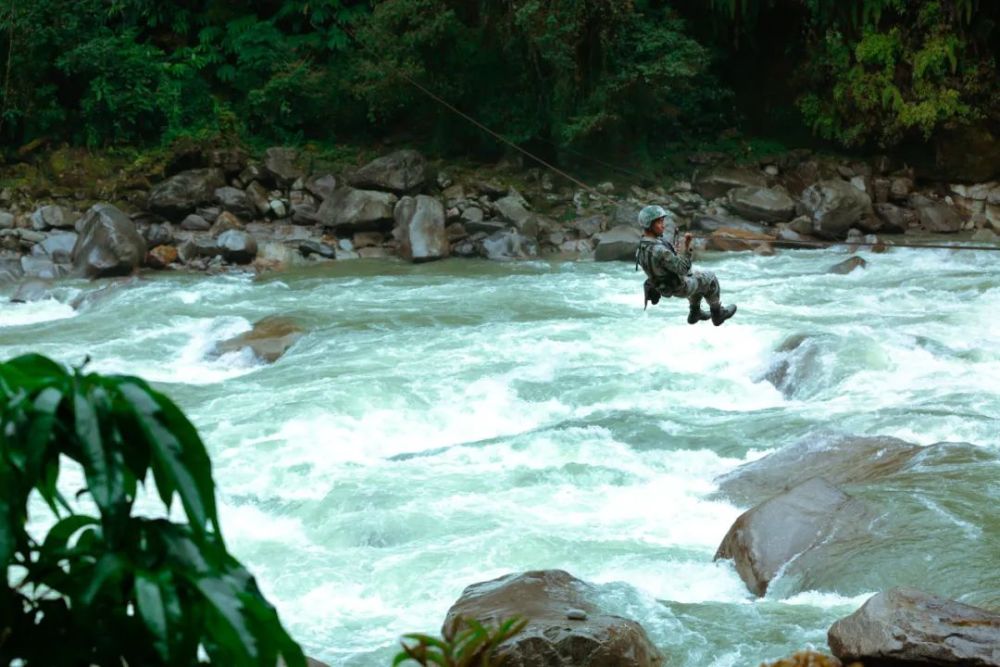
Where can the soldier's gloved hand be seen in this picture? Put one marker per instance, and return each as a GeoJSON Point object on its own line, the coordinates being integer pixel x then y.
{"type": "Point", "coordinates": [688, 240]}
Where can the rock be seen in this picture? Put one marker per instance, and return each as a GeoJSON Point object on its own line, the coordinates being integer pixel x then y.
{"type": "Point", "coordinates": [277, 208]}
{"type": "Point", "coordinates": [895, 219]}
{"type": "Point", "coordinates": [900, 188]}
{"type": "Point", "coordinates": [710, 222]}
{"type": "Point", "coordinates": [589, 226]}
{"type": "Point", "coordinates": [617, 244]}
{"type": "Point", "coordinates": [473, 214]}
{"type": "Point", "coordinates": [316, 248]}
{"type": "Point", "coordinates": [161, 256]}
{"type": "Point", "coordinates": [512, 208]}
{"type": "Point", "coordinates": [160, 233]}
{"type": "Point", "coordinates": [195, 223]}
{"type": "Point", "coordinates": [905, 626]}
{"type": "Point", "coordinates": [198, 247]}
{"type": "Point", "coordinates": [720, 180]}
{"type": "Point", "coordinates": [848, 265]}
{"type": "Point", "coordinates": [230, 160]}
{"type": "Point", "coordinates": [834, 207]}
{"type": "Point", "coordinates": [31, 290]}
{"type": "Point", "coordinates": [279, 165]}
{"type": "Point", "coordinates": [401, 172]}
{"type": "Point", "coordinates": [225, 222]}
{"type": "Point", "coordinates": [48, 217]}
{"type": "Point", "coordinates": [985, 236]}
{"type": "Point", "coordinates": [6, 220]}
{"type": "Point", "coordinates": [760, 204]}
{"type": "Point", "coordinates": [729, 239]}
{"type": "Point", "coordinates": [10, 270]}
{"type": "Point", "coordinates": [42, 268]}
{"type": "Point", "coordinates": [545, 598]}
{"type": "Point", "coordinates": [842, 460]}
{"type": "Point", "coordinates": [58, 247]}
{"type": "Point", "coordinates": [935, 216]}
{"type": "Point", "coordinates": [507, 244]}
{"type": "Point", "coordinates": [321, 185]}
{"type": "Point", "coordinates": [237, 202]}
{"type": "Point", "coordinates": [237, 246]}
{"type": "Point", "coordinates": [420, 229]}
{"type": "Point", "coordinates": [259, 197]}
{"type": "Point", "coordinates": [368, 239]}
{"type": "Point", "coordinates": [348, 210]}
{"type": "Point", "coordinates": [108, 245]}
{"type": "Point", "coordinates": [763, 540]}
{"type": "Point", "coordinates": [182, 193]}
{"type": "Point", "coordinates": [269, 338]}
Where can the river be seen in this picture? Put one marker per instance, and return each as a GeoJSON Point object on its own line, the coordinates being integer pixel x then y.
{"type": "Point", "coordinates": [447, 423]}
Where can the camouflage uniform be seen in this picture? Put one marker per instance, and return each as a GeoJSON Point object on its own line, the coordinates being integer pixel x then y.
{"type": "Point", "coordinates": [671, 274]}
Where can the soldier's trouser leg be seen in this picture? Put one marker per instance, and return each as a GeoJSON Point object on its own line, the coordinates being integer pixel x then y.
{"type": "Point", "coordinates": [701, 285]}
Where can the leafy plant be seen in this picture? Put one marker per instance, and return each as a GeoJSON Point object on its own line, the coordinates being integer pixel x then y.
{"type": "Point", "coordinates": [472, 646]}
{"type": "Point", "coordinates": [110, 586]}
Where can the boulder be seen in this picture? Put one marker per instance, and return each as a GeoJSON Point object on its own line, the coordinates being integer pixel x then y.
{"type": "Point", "coordinates": [506, 245]}
{"type": "Point", "coordinates": [195, 223]}
{"type": "Point", "coordinates": [710, 222]}
{"type": "Point", "coordinates": [236, 201]}
{"type": "Point", "coordinates": [321, 185]}
{"type": "Point", "coordinates": [730, 239]}
{"type": "Point", "coordinates": [161, 256]}
{"type": "Point", "coordinates": [720, 180]}
{"type": "Point", "coordinates": [58, 247]}
{"type": "Point", "coordinates": [895, 219]}
{"type": "Point", "coordinates": [237, 246]}
{"type": "Point", "coordinates": [307, 248]}
{"type": "Point", "coordinates": [269, 338]}
{"type": "Point", "coordinates": [834, 207]}
{"type": "Point", "coordinates": [935, 216]}
{"type": "Point", "coordinates": [761, 204]}
{"type": "Point", "coordinates": [617, 244]}
{"type": "Point", "coordinates": [279, 166]}
{"type": "Point", "coordinates": [848, 265]}
{"type": "Point", "coordinates": [589, 226]}
{"type": "Point", "coordinates": [565, 625]}
{"type": "Point", "coordinates": [10, 270]}
{"type": "Point", "coordinates": [765, 539]}
{"type": "Point", "coordinates": [182, 193]}
{"type": "Point", "coordinates": [348, 210]}
{"type": "Point", "coordinates": [420, 229]}
{"type": "Point", "coordinates": [42, 268]}
{"type": "Point", "coordinates": [401, 172]}
{"type": "Point", "coordinates": [31, 290]}
{"type": "Point", "coordinates": [51, 216]}
{"type": "Point", "coordinates": [109, 244]}
{"type": "Point", "coordinates": [512, 208]}
{"type": "Point", "coordinates": [198, 246]}
{"type": "Point", "coordinates": [843, 460]}
{"type": "Point", "coordinates": [905, 626]}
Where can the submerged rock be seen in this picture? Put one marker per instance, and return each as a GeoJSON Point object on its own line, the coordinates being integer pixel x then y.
{"type": "Point", "coordinates": [269, 338]}
{"type": "Point", "coordinates": [848, 265]}
{"type": "Point", "coordinates": [905, 626]}
{"type": "Point", "coordinates": [566, 628]}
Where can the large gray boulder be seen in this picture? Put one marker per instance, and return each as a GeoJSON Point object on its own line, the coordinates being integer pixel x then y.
{"type": "Point", "coordinates": [401, 172]}
{"type": "Point", "coordinates": [761, 204]}
{"type": "Point", "coordinates": [237, 246]}
{"type": "Point", "coordinates": [566, 627]}
{"type": "Point", "coordinates": [109, 244]}
{"type": "Point", "coordinates": [279, 165]}
{"type": "Point", "coordinates": [717, 182]}
{"type": "Point", "coordinates": [617, 244]}
{"type": "Point", "coordinates": [841, 459]}
{"type": "Point", "coordinates": [182, 193]}
{"type": "Point", "coordinates": [10, 270]}
{"type": "Point", "coordinates": [53, 216]}
{"type": "Point", "coordinates": [420, 229]}
{"type": "Point", "coordinates": [237, 202]}
{"type": "Point", "coordinates": [834, 207]}
{"type": "Point", "coordinates": [936, 216]}
{"type": "Point", "coordinates": [765, 539]}
{"type": "Point", "coordinates": [349, 210]}
{"type": "Point", "coordinates": [57, 246]}
{"type": "Point", "coordinates": [906, 627]}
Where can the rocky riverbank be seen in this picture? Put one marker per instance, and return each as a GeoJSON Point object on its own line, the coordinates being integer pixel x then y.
{"type": "Point", "coordinates": [221, 209]}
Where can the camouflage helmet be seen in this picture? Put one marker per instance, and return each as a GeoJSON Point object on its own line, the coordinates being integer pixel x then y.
{"type": "Point", "coordinates": [651, 213]}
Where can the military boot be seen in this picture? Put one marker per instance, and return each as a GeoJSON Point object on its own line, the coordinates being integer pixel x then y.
{"type": "Point", "coordinates": [722, 313]}
{"type": "Point", "coordinates": [696, 314]}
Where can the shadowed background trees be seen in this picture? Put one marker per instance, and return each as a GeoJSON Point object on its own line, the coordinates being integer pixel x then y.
{"type": "Point", "coordinates": [624, 78]}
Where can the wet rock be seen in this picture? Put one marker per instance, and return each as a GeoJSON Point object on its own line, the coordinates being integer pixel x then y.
{"type": "Point", "coordinates": [848, 265]}
{"type": "Point", "coordinates": [507, 244]}
{"type": "Point", "coordinates": [905, 626]}
{"type": "Point", "coordinates": [545, 598]}
{"type": "Point", "coordinates": [760, 204]}
{"type": "Point", "coordinates": [348, 210]}
{"type": "Point", "coordinates": [31, 290]}
{"type": "Point", "coordinates": [710, 222]}
{"type": "Point", "coordinates": [182, 193]}
{"type": "Point", "coordinates": [10, 270]}
{"type": "Point", "coordinates": [43, 268]}
{"type": "Point", "coordinates": [58, 247]}
{"type": "Point", "coordinates": [279, 165]}
{"type": "Point", "coordinates": [109, 244]}
{"type": "Point", "coordinates": [936, 216]}
{"type": "Point", "coordinates": [236, 201]}
{"type": "Point", "coordinates": [842, 460]}
{"type": "Point", "coordinates": [161, 256]}
{"type": "Point", "coordinates": [834, 207]}
{"type": "Point", "coordinates": [269, 338]}
{"type": "Point", "coordinates": [195, 223]}
{"type": "Point", "coordinates": [401, 172]}
{"type": "Point", "coordinates": [48, 217]}
{"type": "Point", "coordinates": [224, 223]}
{"type": "Point", "coordinates": [895, 219]}
{"type": "Point", "coordinates": [720, 180]}
{"type": "Point", "coordinates": [237, 246]}
{"type": "Point", "coordinates": [6, 220]}
{"type": "Point", "coordinates": [198, 247]}
{"type": "Point", "coordinates": [589, 226]}
{"type": "Point", "coordinates": [617, 244]}
{"type": "Point", "coordinates": [765, 539]}
{"type": "Point", "coordinates": [420, 229]}
{"type": "Point", "coordinates": [317, 248]}
{"type": "Point", "coordinates": [730, 239]}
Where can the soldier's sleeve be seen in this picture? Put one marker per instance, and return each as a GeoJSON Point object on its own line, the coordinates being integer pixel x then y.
{"type": "Point", "coordinates": [677, 264]}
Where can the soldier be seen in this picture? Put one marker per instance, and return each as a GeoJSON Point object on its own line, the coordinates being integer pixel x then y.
{"type": "Point", "coordinates": [669, 273]}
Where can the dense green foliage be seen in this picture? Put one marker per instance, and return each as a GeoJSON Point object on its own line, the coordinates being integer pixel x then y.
{"type": "Point", "coordinates": [107, 586]}
{"type": "Point", "coordinates": [619, 76]}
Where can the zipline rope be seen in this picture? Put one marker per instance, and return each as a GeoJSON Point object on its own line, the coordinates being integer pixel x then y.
{"type": "Point", "coordinates": [594, 192]}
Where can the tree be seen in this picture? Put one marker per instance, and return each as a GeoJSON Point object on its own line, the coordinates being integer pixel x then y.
{"type": "Point", "coordinates": [107, 586]}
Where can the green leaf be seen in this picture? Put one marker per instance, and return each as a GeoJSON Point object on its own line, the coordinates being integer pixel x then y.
{"type": "Point", "coordinates": [109, 568]}
{"type": "Point", "coordinates": [60, 534]}
{"type": "Point", "coordinates": [152, 609]}
{"type": "Point", "coordinates": [95, 460]}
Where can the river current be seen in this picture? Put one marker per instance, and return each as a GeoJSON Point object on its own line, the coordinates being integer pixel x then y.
{"type": "Point", "coordinates": [447, 423]}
